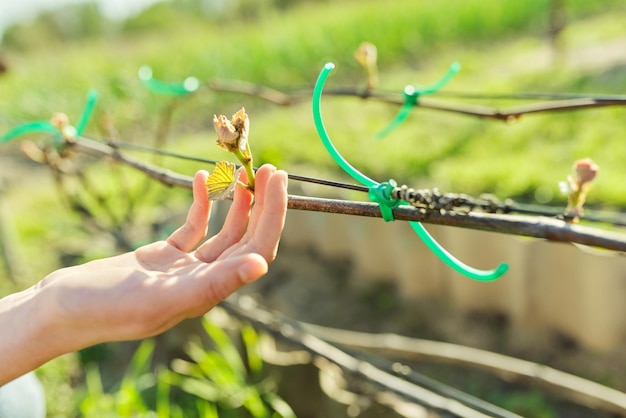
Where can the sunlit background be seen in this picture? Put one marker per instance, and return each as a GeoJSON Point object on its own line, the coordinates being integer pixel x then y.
{"type": "Point", "coordinates": [558, 305]}
{"type": "Point", "coordinates": [25, 11]}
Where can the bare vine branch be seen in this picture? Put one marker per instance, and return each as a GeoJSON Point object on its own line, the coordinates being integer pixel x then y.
{"type": "Point", "coordinates": [562, 103]}
{"type": "Point", "coordinates": [573, 387]}
{"type": "Point", "coordinates": [167, 177]}
{"type": "Point", "coordinates": [530, 226]}
{"type": "Point", "coordinates": [374, 378]}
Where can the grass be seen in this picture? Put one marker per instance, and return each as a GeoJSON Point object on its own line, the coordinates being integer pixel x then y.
{"type": "Point", "coordinates": [501, 47]}
{"type": "Point", "coordinates": [434, 149]}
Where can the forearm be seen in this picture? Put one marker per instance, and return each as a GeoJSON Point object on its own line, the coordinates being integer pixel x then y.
{"type": "Point", "coordinates": [26, 342]}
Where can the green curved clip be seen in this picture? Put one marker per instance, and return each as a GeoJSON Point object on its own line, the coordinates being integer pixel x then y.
{"type": "Point", "coordinates": [30, 127]}
{"type": "Point", "coordinates": [438, 250]}
{"type": "Point", "coordinates": [411, 98]}
{"type": "Point", "coordinates": [45, 126]}
{"type": "Point", "coordinates": [92, 98]}
{"type": "Point", "coordinates": [381, 194]}
{"type": "Point", "coordinates": [189, 85]}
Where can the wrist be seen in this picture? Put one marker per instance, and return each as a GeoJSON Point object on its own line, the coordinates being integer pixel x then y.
{"type": "Point", "coordinates": [28, 341]}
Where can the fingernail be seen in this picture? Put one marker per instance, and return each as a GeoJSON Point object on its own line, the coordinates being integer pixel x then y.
{"type": "Point", "coordinates": [284, 176]}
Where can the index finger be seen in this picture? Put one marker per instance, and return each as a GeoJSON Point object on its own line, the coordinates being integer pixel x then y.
{"type": "Point", "coordinates": [188, 236]}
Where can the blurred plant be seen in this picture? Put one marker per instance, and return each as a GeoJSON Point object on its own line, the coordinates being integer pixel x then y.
{"type": "Point", "coordinates": [217, 382]}
{"type": "Point", "coordinates": [227, 381]}
{"type": "Point", "coordinates": [232, 136]}
{"type": "Point", "coordinates": [533, 403]}
{"type": "Point", "coordinates": [108, 205]}
{"type": "Point", "coordinates": [367, 56]}
{"type": "Point", "coordinates": [129, 400]}
{"type": "Point", "coordinates": [62, 122]}
{"type": "Point", "coordinates": [577, 186]}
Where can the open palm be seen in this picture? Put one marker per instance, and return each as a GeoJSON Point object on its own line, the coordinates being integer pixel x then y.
{"type": "Point", "coordinates": [145, 292]}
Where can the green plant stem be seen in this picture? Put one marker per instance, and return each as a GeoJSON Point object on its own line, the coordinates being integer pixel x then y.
{"type": "Point", "coordinates": [247, 164]}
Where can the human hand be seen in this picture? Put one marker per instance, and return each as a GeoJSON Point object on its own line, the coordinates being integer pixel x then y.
{"type": "Point", "coordinates": [147, 291]}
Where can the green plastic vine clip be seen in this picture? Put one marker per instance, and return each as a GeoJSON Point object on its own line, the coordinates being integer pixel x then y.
{"type": "Point", "coordinates": [92, 98]}
{"type": "Point", "coordinates": [438, 250]}
{"type": "Point", "coordinates": [411, 98]}
{"type": "Point", "coordinates": [45, 126]}
{"type": "Point", "coordinates": [189, 85]}
{"type": "Point", "coordinates": [381, 194]}
{"type": "Point", "coordinates": [30, 127]}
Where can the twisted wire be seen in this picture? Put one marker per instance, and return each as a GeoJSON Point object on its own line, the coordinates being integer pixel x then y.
{"type": "Point", "coordinates": [434, 200]}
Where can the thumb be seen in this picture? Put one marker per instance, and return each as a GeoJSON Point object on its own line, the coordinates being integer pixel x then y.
{"type": "Point", "coordinates": [227, 276]}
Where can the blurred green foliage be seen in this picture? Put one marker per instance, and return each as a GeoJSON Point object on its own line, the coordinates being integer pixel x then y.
{"type": "Point", "coordinates": [286, 49]}
{"type": "Point", "coordinates": [228, 380]}
{"type": "Point", "coordinates": [216, 381]}
{"type": "Point", "coordinates": [70, 23]}
{"type": "Point", "coordinates": [502, 46]}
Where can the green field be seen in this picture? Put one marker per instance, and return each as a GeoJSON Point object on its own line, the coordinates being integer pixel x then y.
{"type": "Point", "coordinates": [503, 48]}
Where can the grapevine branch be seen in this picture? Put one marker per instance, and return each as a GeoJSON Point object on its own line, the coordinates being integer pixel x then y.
{"type": "Point", "coordinates": [376, 376]}
{"type": "Point", "coordinates": [552, 103]}
{"type": "Point", "coordinates": [326, 342]}
{"type": "Point", "coordinates": [530, 226]}
{"type": "Point", "coordinates": [335, 345]}
{"type": "Point", "coordinates": [573, 387]}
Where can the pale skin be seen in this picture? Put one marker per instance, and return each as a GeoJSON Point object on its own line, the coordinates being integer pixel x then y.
{"type": "Point", "coordinates": [145, 292]}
